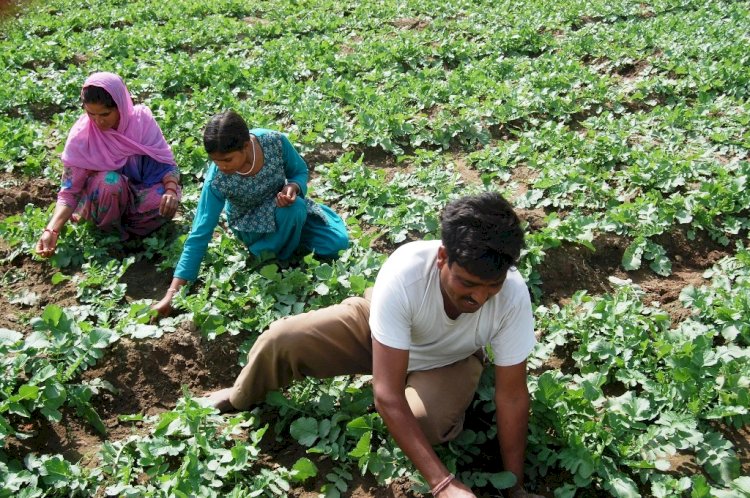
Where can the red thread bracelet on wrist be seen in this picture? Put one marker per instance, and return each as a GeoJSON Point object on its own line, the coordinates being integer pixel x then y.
{"type": "Point", "coordinates": [57, 233]}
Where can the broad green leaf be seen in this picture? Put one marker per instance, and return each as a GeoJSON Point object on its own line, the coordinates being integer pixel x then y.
{"type": "Point", "coordinates": [270, 272]}
{"type": "Point", "coordinates": [503, 480]}
{"type": "Point", "coordinates": [304, 469]}
{"type": "Point", "coordinates": [26, 392]}
{"type": "Point", "coordinates": [742, 484]}
{"type": "Point", "coordinates": [52, 414]}
{"type": "Point", "coordinates": [8, 336]}
{"type": "Point", "coordinates": [700, 488]}
{"type": "Point", "coordinates": [37, 340]}
{"type": "Point", "coordinates": [52, 314]}
{"type": "Point", "coordinates": [631, 258]}
{"type": "Point", "coordinates": [58, 278]}
{"type": "Point", "coordinates": [363, 446]}
{"type": "Point", "coordinates": [142, 331]}
{"type": "Point", "coordinates": [622, 487]}
{"type": "Point", "coordinates": [57, 471]}
{"type": "Point", "coordinates": [304, 430]}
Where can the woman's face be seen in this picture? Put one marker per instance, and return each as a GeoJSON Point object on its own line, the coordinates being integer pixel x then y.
{"type": "Point", "coordinates": [104, 118]}
{"type": "Point", "coordinates": [232, 162]}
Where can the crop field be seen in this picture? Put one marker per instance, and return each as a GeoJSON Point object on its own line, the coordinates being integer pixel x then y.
{"type": "Point", "coordinates": [620, 130]}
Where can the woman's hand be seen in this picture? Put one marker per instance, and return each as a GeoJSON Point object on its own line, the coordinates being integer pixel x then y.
{"type": "Point", "coordinates": [288, 195]}
{"type": "Point", "coordinates": [164, 307]}
{"type": "Point", "coordinates": [47, 243]}
{"type": "Point", "coordinates": [169, 203]}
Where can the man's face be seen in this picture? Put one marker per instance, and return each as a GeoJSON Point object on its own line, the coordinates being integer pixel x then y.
{"type": "Point", "coordinates": [464, 292]}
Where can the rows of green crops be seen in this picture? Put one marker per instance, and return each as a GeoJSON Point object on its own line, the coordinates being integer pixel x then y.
{"type": "Point", "coordinates": [613, 119]}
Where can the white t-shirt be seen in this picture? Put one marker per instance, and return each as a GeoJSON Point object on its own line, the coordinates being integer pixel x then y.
{"type": "Point", "coordinates": [407, 313]}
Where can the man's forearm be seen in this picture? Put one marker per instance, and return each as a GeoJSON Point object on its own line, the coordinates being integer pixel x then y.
{"type": "Point", "coordinates": [405, 430]}
{"type": "Point", "coordinates": [512, 429]}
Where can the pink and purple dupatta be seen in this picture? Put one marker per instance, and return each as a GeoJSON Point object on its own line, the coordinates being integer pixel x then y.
{"type": "Point", "coordinates": [137, 134]}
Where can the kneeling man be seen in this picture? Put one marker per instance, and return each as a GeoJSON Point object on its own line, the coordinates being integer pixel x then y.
{"type": "Point", "coordinates": [422, 334]}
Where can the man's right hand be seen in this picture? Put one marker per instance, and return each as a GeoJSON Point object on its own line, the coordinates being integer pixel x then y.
{"type": "Point", "coordinates": [456, 489]}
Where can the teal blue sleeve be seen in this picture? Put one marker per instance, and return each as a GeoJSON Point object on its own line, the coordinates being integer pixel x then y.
{"type": "Point", "coordinates": [295, 168]}
{"type": "Point", "coordinates": [207, 215]}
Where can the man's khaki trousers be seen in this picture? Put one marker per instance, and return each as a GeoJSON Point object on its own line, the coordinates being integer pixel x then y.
{"type": "Point", "coordinates": [336, 341]}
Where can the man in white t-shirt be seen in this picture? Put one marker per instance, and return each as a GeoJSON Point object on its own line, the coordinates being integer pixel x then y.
{"type": "Point", "coordinates": [435, 306]}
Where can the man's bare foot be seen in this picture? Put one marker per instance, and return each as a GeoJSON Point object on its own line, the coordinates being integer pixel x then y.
{"type": "Point", "coordinates": [220, 400]}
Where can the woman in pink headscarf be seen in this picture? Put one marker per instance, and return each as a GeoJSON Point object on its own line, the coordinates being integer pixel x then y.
{"type": "Point", "coordinates": [119, 172]}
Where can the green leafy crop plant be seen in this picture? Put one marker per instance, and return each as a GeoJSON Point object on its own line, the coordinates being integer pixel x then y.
{"type": "Point", "coordinates": [641, 390]}
{"type": "Point", "coordinates": [606, 119]}
{"type": "Point", "coordinates": [402, 206]}
{"type": "Point", "coordinates": [40, 372]}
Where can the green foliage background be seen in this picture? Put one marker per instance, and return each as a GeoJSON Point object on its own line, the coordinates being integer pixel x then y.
{"type": "Point", "coordinates": [613, 119]}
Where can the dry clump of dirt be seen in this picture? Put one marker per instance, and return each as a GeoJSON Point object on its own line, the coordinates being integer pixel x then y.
{"type": "Point", "coordinates": [323, 153]}
{"type": "Point", "coordinates": [27, 289]}
{"type": "Point", "coordinates": [15, 194]}
{"type": "Point", "coordinates": [149, 374]}
{"type": "Point", "coordinates": [569, 268]}
{"type": "Point", "coordinates": [469, 175]}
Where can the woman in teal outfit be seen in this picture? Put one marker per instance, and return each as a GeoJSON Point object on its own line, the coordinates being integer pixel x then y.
{"type": "Point", "coordinates": [261, 181]}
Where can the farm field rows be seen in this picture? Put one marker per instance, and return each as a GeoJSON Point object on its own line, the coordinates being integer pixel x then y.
{"type": "Point", "coordinates": [619, 130]}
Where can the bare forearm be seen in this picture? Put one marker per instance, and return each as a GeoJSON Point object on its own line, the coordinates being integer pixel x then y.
{"type": "Point", "coordinates": [389, 372]}
{"type": "Point", "coordinates": [405, 430]}
{"type": "Point", "coordinates": [171, 181]}
{"type": "Point", "coordinates": [61, 215]}
{"type": "Point", "coordinates": [512, 429]}
{"type": "Point", "coordinates": [176, 284]}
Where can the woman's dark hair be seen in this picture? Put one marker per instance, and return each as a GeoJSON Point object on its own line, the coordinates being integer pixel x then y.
{"type": "Point", "coordinates": [225, 132]}
{"type": "Point", "coordinates": [482, 234]}
{"type": "Point", "coordinates": [98, 95]}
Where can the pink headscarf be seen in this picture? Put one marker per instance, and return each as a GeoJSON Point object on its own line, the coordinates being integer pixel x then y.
{"type": "Point", "coordinates": [137, 133]}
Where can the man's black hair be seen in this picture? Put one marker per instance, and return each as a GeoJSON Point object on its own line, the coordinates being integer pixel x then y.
{"type": "Point", "coordinates": [482, 234]}
{"type": "Point", "coordinates": [225, 132]}
{"type": "Point", "coordinates": [98, 95]}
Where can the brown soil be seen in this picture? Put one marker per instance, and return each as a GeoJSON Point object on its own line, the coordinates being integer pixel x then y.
{"type": "Point", "coordinates": [15, 194]}
{"type": "Point", "coordinates": [468, 174]}
{"type": "Point", "coordinates": [324, 153]}
{"type": "Point", "coordinates": [30, 279]}
{"type": "Point", "coordinates": [410, 23]}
